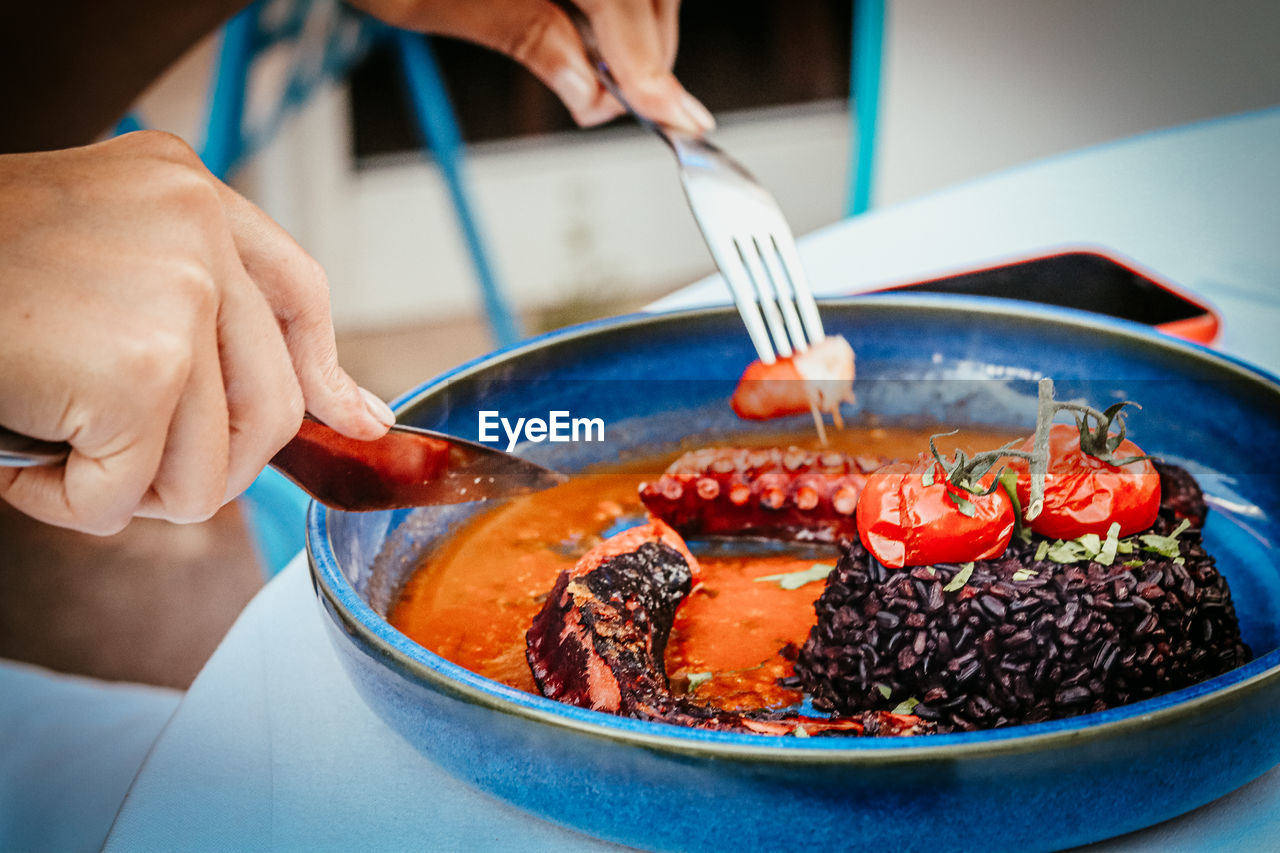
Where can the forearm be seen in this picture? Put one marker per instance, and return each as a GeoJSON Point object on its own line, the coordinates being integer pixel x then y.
{"type": "Point", "coordinates": [71, 69]}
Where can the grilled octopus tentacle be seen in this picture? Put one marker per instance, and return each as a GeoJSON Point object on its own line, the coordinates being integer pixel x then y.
{"type": "Point", "coordinates": [599, 640]}
{"type": "Point", "coordinates": [786, 493]}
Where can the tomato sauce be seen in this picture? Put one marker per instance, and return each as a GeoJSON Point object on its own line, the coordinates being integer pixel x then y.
{"type": "Point", "coordinates": [472, 601]}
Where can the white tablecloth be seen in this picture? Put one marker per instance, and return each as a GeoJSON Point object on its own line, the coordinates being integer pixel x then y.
{"type": "Point", "coordinates": [273, 750]}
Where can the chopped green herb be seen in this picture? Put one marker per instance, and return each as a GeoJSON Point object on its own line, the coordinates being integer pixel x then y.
{"type": "Point", "coordinates": [932, 571]}
{"type": "Point", "coordinates": [885, 690]}
{"type": "Point", "coordinates": [1165, 546]}
{"type": "Point", "coordinates": [1024, 574]}
{"type": "Point", "coordinates": [1130, 564]}
{"type": "Point", "coordinates": [958, 580]}
{"type": "Point", "coordinates": [696, 680]}
{"type": "Point", "coordinates": [795, 580]}
{"type": "Point", "coordinates": [800, 732]}
{"type": "Point", "coordinates": [1107, 553]}
{"type": "Point", "coordinates": [1069, 551]}
{"type": "Point", "coordinates": [906, 706]}
{"type": "Point", "coordinates": [1090, 546]}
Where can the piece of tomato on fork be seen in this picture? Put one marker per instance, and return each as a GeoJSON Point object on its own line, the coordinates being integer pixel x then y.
{"type": "Point", "coordinates": [818, 379]}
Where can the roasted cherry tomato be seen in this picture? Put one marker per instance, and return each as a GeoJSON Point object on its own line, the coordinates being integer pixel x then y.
{"type": "Point", "coordinates": [818, 379]}
{"type": "Point", "coordinates": [904, 522]}
{"type": "Point", "coordinates": [1083, 494]}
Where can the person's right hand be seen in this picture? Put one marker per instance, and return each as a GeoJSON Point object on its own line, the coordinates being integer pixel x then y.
{"type": "Point", "coordinates": [163, 326]}
{"type": "Point", "coordinates": [637, 37]}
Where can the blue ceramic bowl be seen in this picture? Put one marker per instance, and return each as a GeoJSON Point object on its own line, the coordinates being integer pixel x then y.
{"type": "Point", "coordinates": [660, 380]}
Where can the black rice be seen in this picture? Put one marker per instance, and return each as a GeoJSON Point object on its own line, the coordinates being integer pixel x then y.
{"type": "Point", "coordinates": [1023, 640]}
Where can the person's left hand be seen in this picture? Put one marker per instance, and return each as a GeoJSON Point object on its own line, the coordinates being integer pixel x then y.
{"type": "Point", "coordinates": [637, 37]}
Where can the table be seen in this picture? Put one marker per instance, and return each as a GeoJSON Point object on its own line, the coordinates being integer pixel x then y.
{"type": "Point", "coordinates": [272, 749]}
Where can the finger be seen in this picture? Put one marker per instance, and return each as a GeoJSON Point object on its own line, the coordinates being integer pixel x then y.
{"type": "Point", "coordinates": [535, 33]}
{"type": "Point", "coordinates": [90, 494]}
{"type": "Point", "coordinates": [265, 402]}
{"type": "Point", "coordinates": [668, 14]}
{"type": "Point", "coordinates": [296, 291]}
{"type": "Point", "coordinates": [190, 481]}
{"type": "Point", "coordinates": [631, 37]}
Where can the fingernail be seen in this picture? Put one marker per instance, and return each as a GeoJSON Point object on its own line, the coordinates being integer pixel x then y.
{"type": "Point", "coordinates": [573, 87]}
{"type": "Point", "coordinates": [699, 115]}
{"type": "Point", "coordinates": [380, 410]}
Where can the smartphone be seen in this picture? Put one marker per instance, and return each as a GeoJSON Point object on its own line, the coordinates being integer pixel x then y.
{"type": "Point", "coordinates": [1089, 281]}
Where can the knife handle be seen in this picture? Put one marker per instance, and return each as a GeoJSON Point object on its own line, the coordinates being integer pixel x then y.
{"type": "Point", "coordinates": [20, 451]}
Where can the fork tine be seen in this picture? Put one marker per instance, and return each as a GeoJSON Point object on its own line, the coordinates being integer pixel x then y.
{"type": "Point", "coordinates": [738, 279]}
{"type": "Point", "coordinates": [765, 295]}
{"type": "Point", "coordinates": [794, 270]}
{"type": "Point", "coordinates": [782, 287]}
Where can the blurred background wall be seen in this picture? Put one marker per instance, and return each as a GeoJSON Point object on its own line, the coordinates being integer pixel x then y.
{"type": "Point", "coordinates": [590, 222]}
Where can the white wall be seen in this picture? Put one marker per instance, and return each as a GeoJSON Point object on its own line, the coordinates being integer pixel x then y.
{"type": "Point", "coordinates": [973, 86]}
{"type": "Point", "coordinates": [596, 216]}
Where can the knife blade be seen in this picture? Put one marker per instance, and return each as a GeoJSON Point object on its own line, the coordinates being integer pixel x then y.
{"type": "Point", "coordinates": [407, 467]}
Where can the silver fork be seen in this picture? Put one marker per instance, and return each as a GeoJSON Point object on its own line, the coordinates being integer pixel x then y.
{"type": "Point", "coordinates": [743, 226]}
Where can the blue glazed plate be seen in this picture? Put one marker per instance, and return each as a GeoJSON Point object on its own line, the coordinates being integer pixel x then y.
{"type": "Point", "coordinates": [661, 382]}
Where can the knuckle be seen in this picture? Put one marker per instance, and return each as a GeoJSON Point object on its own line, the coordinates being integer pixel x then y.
{"type": "Point", "coordinates": [196, 287]}
{"type": "Point", "coordinates": [191, 192]}
{"type": "Point", "coordinates": [308, 286]}
{"type": "Point", "coordinates": [160, 359]}
{"type": "Point", "coordinates": [165, 146]}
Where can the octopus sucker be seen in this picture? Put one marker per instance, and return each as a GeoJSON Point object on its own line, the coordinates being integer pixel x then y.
{"type": "Point", "coordinates": [785, 493]}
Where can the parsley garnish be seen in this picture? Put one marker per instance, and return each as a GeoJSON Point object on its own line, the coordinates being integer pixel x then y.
{"type": "Point", "coordinates": [1104, 551]}
{"type": "Point", "coordinates": [696, 680]}
{"type": "Point", "coordinates": [795, 580]}
{"type": "Point", "coordinates": [885, 690]}
{"type": "Point", "coordinates": [906, 706]}
{"type": "Point", "coordinates": [1165, 546]}
{"type": "Point", "coordinates": [958, 580]}
{"type": "Point", "coordinates": [1111, 546]}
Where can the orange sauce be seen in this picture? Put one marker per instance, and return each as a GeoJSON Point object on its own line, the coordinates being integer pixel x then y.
{"type": "Point", "coordinates": [473, 600]}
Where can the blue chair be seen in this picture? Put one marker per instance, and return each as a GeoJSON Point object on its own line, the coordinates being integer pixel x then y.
{"type": "Point", "coordinates": [345, 36]}
{"type": "Point", "coordinates": [864, 93]}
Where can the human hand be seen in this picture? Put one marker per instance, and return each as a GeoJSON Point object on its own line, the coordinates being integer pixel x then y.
{"type": "Point", "coordinates": [163, 326]}
{"type": "Point", "coordinates": [637, 37]}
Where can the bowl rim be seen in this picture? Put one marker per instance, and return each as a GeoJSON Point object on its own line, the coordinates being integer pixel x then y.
{"type": "Point", "coordinates": [357, 619]}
